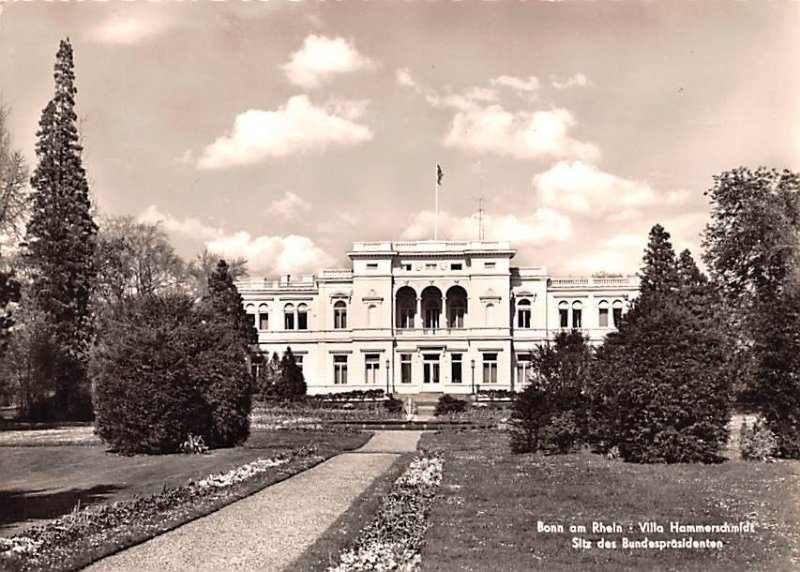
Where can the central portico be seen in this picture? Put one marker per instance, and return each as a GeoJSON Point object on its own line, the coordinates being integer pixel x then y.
{"type": "Point", "coordinates": [418, 316]}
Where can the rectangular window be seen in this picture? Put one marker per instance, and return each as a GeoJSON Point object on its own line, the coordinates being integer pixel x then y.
{"type": "Point", "coordinates": [371, 367]}
{"type": "Point", "coordinates": [405, 368]}
{"type": "Point", "coordinates": [252, 318]}
{"type": "Point", "coordinates": [406, 267]}
{"type": "Point", "coordinates": [288, 321]}
{"type": "Point", "coordinates": [340, 370]}
{"type": "Point", "coordinates": [603, 317]}
{"type": "Point", "coordinates": [407, 317]}
{"type": "Point", "coordinates": [489, 264]}
{"type": "Point", "coordinates": [302, 321]}
{"type": "Point", "coordinates": [456, 266]}
{"type": "Point", "coordinates": [431, 371]}
{"type": "Point", "coordinates": [298, 359]}
{"type": "Point", "coordinates": [523, 368]}
{"type": "Point", "coordinates": [576, 318]}
{"type": "Point", "coordinates": [430, 266]}
{"type": "Point", "coordinates": [563, 317]}
{"type": "Point", "coordinates": [455, 368]}
{"type": "Point", "coordinates": [263, 321]}
{"type": "Point", "coordinates": [617, 316]}
{"type": "Point", "coordinates": [490, 368]}
{"type": "Point", "coordinates": [372, 266]}
{"type": "Point", "coordinates": [524, 318]}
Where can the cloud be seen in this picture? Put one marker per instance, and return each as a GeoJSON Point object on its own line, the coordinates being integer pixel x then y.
{"type": "Point", "coordinates": [289, 206]}
{"type": "Point", "coordinates": [542, 227]}
{"type": "Point", "coordinates": [518, 84]}
{"type": "Point", "coordinates": [403, 77]}
{"type": "Point", "coordinates": [584, 189]}
{"type": "Point", "coordinates": [523, 135]}
{"type": "Point", "coordinates": [273, 255]}
{"type": "Point", "coordinates": [190, 227]}
{"type": "Point", "coordinates": [266, 255]}
{"type": "Point", "coordinates": [322, 57]}
{"type": "Point", "coordinates": [469, 100]}
{"type": "Point", "coordinates": [577, 80]}
{"type": "Point", "coordinates": [127, 29]}
{"type": "Point", "coordinates": [297, 127]}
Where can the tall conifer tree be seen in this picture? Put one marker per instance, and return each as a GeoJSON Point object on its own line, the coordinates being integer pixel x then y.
{"type": "Point", "coordinates": [61, 241]}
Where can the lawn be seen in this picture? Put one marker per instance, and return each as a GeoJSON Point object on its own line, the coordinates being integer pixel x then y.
{"type": "Point", "coordinates": [41, 482]}
{"type": "Point", "coordinates": [491, 502]}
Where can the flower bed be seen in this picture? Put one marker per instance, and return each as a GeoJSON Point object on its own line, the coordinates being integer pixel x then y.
{"type": "Point", "coordinates": [78, 538]}
{"type": "Point", "coordinates": [393, 540]}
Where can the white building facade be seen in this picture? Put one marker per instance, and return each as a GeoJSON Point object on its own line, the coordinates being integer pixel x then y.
{"type": "Point", "coordinates": [427, 316]}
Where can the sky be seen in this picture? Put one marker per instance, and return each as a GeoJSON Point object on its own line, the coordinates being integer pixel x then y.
{"type": "Point", "coordinates": [284, 131]}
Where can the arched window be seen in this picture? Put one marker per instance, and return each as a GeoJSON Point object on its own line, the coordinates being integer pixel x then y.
{"type": "Point", "coordinates": [263, 317]}
{"type": "Point", "coordinates": [371, 311]}
{"type": "Point", "coordinates": [340, 315]}
{"type": "Point", "coordinates": [577, 311]}
{"type": "Point", "coordinates": [251, 313]}
{"type": "Point", "coordinates": [563, 314]}
{"type": "Point", "coordinates": [524, 314]}
{"type": "Point", "coordinates": [288, 317]}
{"type": "Point", "coordinates": [302, 317]}
{"type": "Point", "coordinates": [602, 313]}
{"type": "Point", "coordinates": [489, 314]}
{"type": "Point", "coordinates": [616, 308]}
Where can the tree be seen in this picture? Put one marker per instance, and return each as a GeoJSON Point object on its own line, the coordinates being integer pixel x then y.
{"type": "Point", "coordinates": [752, 248]}
{"type": "Point", "coordinates": [225, 300]}
{"type": "Point", "coordinates": [269, 376]}
{"type": "Point", "coordinates": [292, 383]}
{"type": "Point", "coordinates": [13, 184]}
{"type": "Point", "coordinates": [661, 392]}
{"type": "Point", "coordinates": [199, 270]}
{"type": "Point", "coordinates": [60, 246]}
{"type": "Point", "coordinates": [135, 259]}
{"type": "Point", "coordinates": [552, 413]}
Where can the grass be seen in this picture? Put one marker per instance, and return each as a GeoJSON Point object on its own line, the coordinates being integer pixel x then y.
{"type": "Point", "coordinates": [342, 533]}
{"type": "Point", "coordinates": [491, 501]}
{"type": "Point", "coordinates": [40, 483]}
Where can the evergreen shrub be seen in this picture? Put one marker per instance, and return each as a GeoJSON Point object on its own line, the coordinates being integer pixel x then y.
{"type": "Point", "coordinates": [448, 404]}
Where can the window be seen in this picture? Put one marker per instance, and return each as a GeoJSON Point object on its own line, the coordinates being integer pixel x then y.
{"type": "Point", "coordinates": [407, 317]}
{"type": "Point", "coordinates": [431, 368]}
{"type": "Point", "coordinates": [489, 264]}
{"type": "Point", "coordinates": [602, 319]}
{"type": "Point", "coordinates": [563, 315]}
{"type": "Point", "coordinates": [263, 317]}
{"type": "Point", "coordinates": [251, 313]}
{"type": "Point", "coordinates": [617, 309]}
{"type": "Point", "coordinates": [302, 317]}
{"type": "Point", "coordinates": [576, 315]}
{"type": "Point", "coordinates": [340, 370]}
{"type": "Point", "coordinates": [489, 314]}
{"type": "Point", "coordinates": [405, 368]}
{"type": "Point", "coordinates": [371, 366]}
{"type": "Point", "coordinates": [288, 317]}
{"type": "Point", "coordinates": [456, 266]}
{"type": "Point", "coordinates": [432, 317]}
{"type": "Point", "coordinates": [372, 265]}
{"type": "Point", "coordinates": [256, 365]}
{"type": "Point", "coordinates": [371, 310]}
{"type": "Point", "coordinates": [490, 368]}
{"type": "Point", "coordinates": [455, 368]}
{"type": "Point", "coordinates": [340, 315]}
{"type": "Point", "coordinates": [430, 266]}
{"type": "Point", "coordinates": [457, 314]}
{"type": "Point", "coordinates": [523, 368]}
{"type": "Point", "coordinates": [524, 314]}
{"type": "Point", "coordinates": [298, 359]}
{"type": "Point", "coordinates": [406, 267]}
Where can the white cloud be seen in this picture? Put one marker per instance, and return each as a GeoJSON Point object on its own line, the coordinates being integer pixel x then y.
{"type": "Point", "coordinates": [190, 227]}
{"type": "Point", "coordinates": [519, 84]}
{"type": "Point", "coordinates": [273, 255]}
{"type": "Point", "coordinates": [289, 206]}
{"type": "Point", "coordinates": [577, 80]}
{"type": "Point", "coordinates": [266, 255]}
{"type": "Point", "coordinates": [404, 78]}
{"type": "Point", "coordinates": [542, 227]}
{"type": "Point", "coordinates": [128, 29]}
{"type": "Point", "coordinates": [584, 189]}
{"type": "Point", "coordinates": [524, 135]}
{"type": "Point", "coordinates": [470, 100]}
{"type": "Point", "coordinates": [299, 126]}
{"type": "Point", "coordinates": [321, 57]}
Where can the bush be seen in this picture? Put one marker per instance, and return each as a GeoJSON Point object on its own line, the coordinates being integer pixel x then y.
{"type": "Point", "coordinates": [756, 443]}
{"type": "Point", "coordinates": [393, 405]}
{"type": "Point", "coordinates": [448, 405]}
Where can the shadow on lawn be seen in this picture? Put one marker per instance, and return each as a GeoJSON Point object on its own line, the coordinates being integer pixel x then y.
{"type": "Point", "coordinates": [20, 505]}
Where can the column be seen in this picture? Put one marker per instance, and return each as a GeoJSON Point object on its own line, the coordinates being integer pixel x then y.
{"type": "Point", "coordinates": [446, 315]}
{"type": "Point", "coordinates": [418, 316]}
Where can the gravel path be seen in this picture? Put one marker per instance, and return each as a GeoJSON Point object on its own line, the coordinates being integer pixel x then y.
{"type": "Point", "coordinates": [270, 529]}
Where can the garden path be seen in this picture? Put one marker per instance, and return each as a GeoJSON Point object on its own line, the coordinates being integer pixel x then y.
{"type": "Point", "coordinates": [272, 528]}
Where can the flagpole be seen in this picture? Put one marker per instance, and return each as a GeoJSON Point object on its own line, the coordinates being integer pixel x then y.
{"type": "Point", "coordinates": [436, 205]}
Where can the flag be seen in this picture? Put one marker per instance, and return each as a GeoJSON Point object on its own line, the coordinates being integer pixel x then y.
{"type": "Point", "coordinates": [439, 174]}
